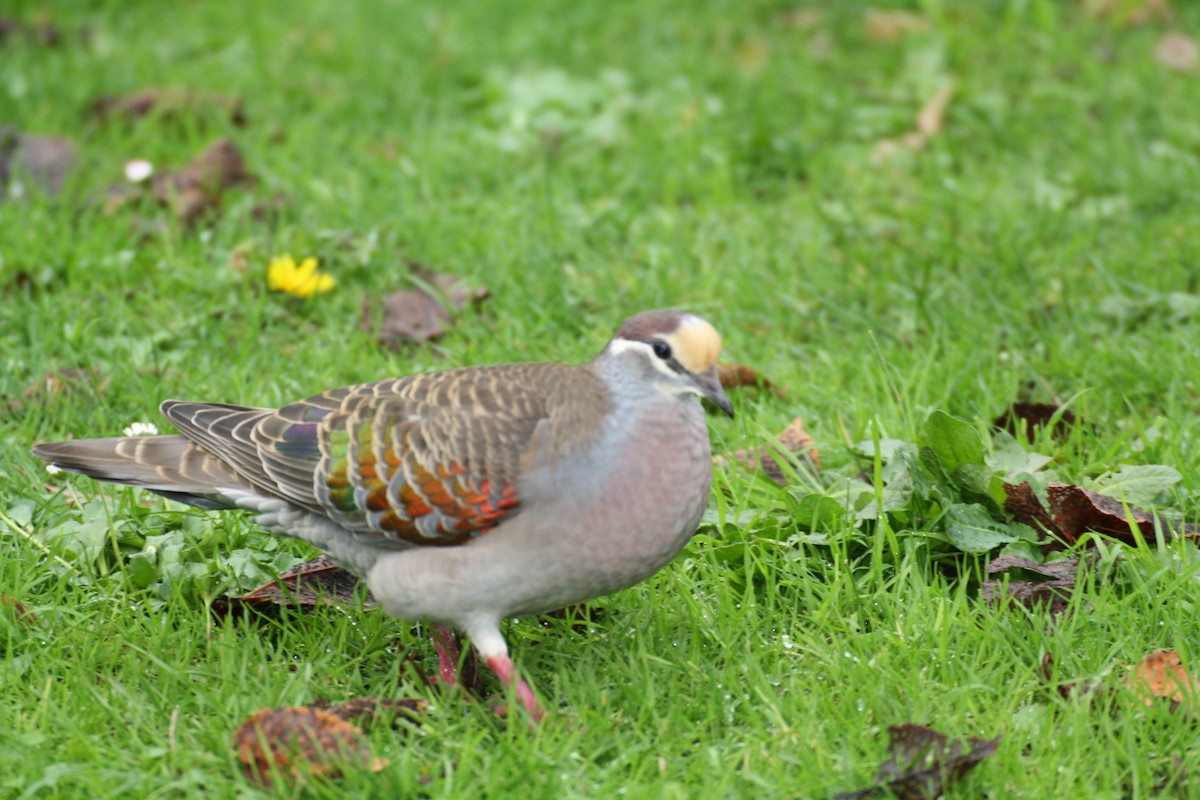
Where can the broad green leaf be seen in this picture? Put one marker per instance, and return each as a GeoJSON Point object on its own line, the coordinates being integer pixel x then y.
{"type": "Point", "coordinates": [970, 528]}
{"type": "Point", "coordinates": [818, 512]}
{"type": "Point", "coordinates": [1136, 485]}
{"type": "Point", "coordinates": [887, 448]}
{"type": "Point", "coordinates": [897, 492]}
{"type": "Point", "coordinates": [1010, 458]}
{"type": "Point", "coordinates": [954, 441]}
{"type": "Point", "coordinates": [142, 569]}
{"type": "Point", "coordinates": [21, 512]}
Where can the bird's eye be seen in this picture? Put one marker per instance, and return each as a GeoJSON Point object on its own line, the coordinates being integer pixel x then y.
{"type": "Point", "coordinates": [662, 350]}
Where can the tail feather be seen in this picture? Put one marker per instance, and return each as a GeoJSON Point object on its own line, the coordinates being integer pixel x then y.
{"type": "Point", "coordinates": [168, 465]}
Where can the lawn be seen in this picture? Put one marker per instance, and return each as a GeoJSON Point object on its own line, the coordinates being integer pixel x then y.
{"type": "Point", "coordinates": [949, 209]}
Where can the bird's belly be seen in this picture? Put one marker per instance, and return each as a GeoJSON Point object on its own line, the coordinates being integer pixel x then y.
{"type": "Point", "coordinates": [630, 519]}
{"type": "Point", "coordinates": [598, 529]}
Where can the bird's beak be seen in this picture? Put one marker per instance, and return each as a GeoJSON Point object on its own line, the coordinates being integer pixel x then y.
{"type": "Point", "coordinates": [710, 386]}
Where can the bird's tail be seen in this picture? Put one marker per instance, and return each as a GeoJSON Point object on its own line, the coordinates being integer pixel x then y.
{"type": "Point", "coordinates": [168, 465]}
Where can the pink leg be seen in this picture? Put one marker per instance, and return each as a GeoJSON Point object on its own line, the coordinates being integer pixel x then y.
{"type": "Point", "coordinates": [447, 653]}
{"type": "Point", "coordinates": [503, 667]}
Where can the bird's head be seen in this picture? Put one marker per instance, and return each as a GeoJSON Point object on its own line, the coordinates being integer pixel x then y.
{"type": "Point", "coordinates": [674, 350]}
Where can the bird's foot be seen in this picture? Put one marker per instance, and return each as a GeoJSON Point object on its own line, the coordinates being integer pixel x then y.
{"type": "Point", "coordinates": [448, 655]}
{"type": "Point", "coordinates": [503, 667]}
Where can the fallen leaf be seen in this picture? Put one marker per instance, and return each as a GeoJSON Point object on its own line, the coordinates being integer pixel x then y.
{"type": "Point", "coordinates": [1161, 676]}
{"type": "Point", "coordinates": [167, 103]}
{"type": "Point", "coordinates": [19, 610]}
{"type": "Point", "coordinates": [1023, 503]}
{"type": "Point", "coordinates": [1024, 417]}
{"type": "Point", "coordinates": [44, 161]}
{"type": "Point", "coordinates": [1075, 511]}
{"type": "Point", "coordinates": [313, 583]}
{"type": "Point", "coordinates": [792, 439]}
{"type": "Point", "coordinates": [922, 762]}
{"type": "Point", "coordinates": [1177, 52]}
{"type": "Point", "coordinates": [411, 315]}
{"type": "Point", "coordinates": [456, 291]}
{"type": "Point", "coordinates": [892, 25]}
{"type": "Point", "coordinates": [733, 376]}
{"type": "Point", "coordinates": [1053, 592]}
{"type": "Point", "coordinates": [200, 186]}
{"type": "Point", "coordinates": [415, 315]}
{"type": "Point", "coordinates": [305, 742]}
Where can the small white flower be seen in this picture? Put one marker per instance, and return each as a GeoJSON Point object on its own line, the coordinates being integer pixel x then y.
{"type": "Point", "coordinates": [138, 170]}
{"type": "Point", "coordinates": [141, 429]}
{"type": "Point", "coordinates": [53, 469]}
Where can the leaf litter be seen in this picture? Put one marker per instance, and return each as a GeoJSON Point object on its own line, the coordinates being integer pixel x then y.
{"type": "Point", "coordinates": [1157, 677]}
{"type": "Point", "coordinates": [1074, 511]}
{"type": "Point", "coordinates": [192, 192]}
{"type": "Point", "coordinates": [314, 741]}
{"type": "Point", "coordinates": [922, 763]}
{"type": "Point", "coordinates": [792, 441]}
{"type": "Point", "coordinates": [45, 162]}
{"type": "Point", "coordinates": [168, 104]}
{"type": "Point", "coordinates": [319, 582]}
{"type": "Point", "coordinates": [425, 312]}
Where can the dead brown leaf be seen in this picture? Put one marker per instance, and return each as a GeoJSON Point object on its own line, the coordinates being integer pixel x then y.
{"type": "Point", "coordinates": [1024, 417]}
{"type": "Point", "coordinates": [416, 315]}
{"type": "Point", "coordinates": [43, 161]}
{"type": "Point", "coordinates": [1078, 510]}
{"type": "Point", "coordinates": [313, 583]}
{"type": "Point", "coordinates": [922, 762]}
{"type": "Point", "coordinates": [793, 439]}
{"type": "Point", "coordinates": [1177, 51]}
{"type": "Point", "coordinates": [303, 742]}
{"type": "Point", "coordinates": [455, 291]}
{"type": "Point", "coordinates": [888, 25]}
{"type": "Point", "coordinates": [1075, 511]}
{"type": "Point", "coordinates": [167, 103]}
{"type": "Point", "coordinates": [191, 192]}
{"type": "Point", "coordinates": [1161, 676]}
{"type": "Point", "coordinates": [411, 315]}
{"type": "Point", "coordinates": [1054, 591]}
{"type": "Point", "coordinates": [733, 376]}
{"type": "Point", "coordinates": [1156, 677]}
{"type": "Point", "coordinates": [19, 611]}
{"type": "Point", "coordinates": [200, 186]}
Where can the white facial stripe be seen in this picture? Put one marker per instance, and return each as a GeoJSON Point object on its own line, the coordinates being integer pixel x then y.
{"type": "Point", "coordinates": [620, 346]}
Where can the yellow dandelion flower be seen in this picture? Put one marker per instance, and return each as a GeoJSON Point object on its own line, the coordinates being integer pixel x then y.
{"type": "Point", "coordinates": [298, 281]}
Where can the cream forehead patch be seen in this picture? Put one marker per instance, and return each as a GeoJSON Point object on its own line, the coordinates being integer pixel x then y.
{"type": "Point", "coordinates": [696, 344]}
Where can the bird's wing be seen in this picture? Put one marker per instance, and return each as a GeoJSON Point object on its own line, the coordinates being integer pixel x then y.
{"type": "Point", "coordinates": [427, 459]}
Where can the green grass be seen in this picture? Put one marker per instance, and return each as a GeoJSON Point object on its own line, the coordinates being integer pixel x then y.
{"type": "Point", "coordinates": [1044, 243]}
